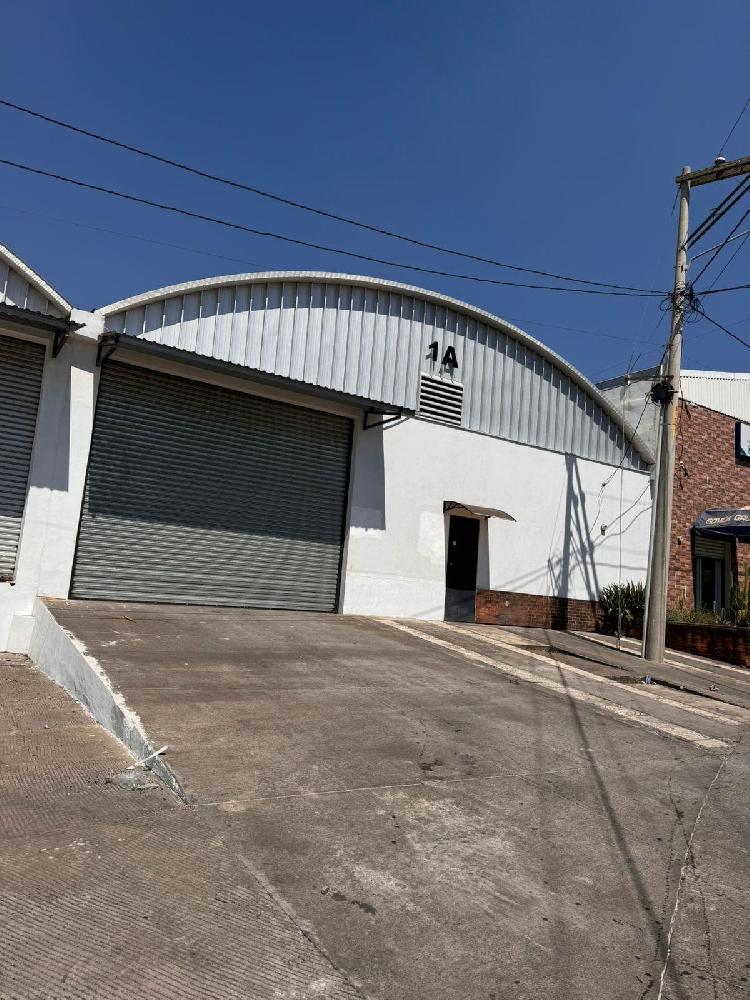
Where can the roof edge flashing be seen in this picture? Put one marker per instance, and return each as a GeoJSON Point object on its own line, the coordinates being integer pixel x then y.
{"type": "Point", "coordinates": [35, 280]}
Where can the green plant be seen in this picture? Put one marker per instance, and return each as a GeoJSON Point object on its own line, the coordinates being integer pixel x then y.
{"type": "Point", "coordinates": [680, 615]}
{"type": "Point", "coordinates": [740, 601]}
{"type": "Point", "coordinates": [622, 606]}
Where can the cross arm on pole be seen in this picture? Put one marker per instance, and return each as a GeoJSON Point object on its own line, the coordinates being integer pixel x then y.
{"type": "Point", "coordinates": [718, 172]}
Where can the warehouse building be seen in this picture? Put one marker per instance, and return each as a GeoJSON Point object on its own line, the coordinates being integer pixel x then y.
{"type": "Point", "coordinates": [312, 441]}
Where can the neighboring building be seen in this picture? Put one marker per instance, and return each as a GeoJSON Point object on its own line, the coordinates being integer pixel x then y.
{"type": "Point", "coordinates": [308, 441]}
{"type": "Point", "coordinates": [712, 473]}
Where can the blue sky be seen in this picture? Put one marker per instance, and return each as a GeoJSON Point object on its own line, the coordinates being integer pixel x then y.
{"type": "Point", "coordinates": [545, 134]}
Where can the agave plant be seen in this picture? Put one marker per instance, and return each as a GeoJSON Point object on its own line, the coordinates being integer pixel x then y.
{"type": "Point", "coordinates": [622, 606]}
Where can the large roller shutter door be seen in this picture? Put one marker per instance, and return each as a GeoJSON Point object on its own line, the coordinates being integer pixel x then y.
{"type": "Point", "coordinates": [197, 494]}
{"type": "Point", "coordinates": [21, 365]}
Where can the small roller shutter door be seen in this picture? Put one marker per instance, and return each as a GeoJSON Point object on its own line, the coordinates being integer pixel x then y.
{"type": "Point", "coordinates": [21, 366]}
{"type": "Point", "coordinates": [710, 547]}
{"type": "Point", "coordinates": [197, 494]}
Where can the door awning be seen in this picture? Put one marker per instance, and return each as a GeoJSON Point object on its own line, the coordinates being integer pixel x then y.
{"type": "Point", "coordinates": [457, 506]}
{"type": "Point", "coordinates": [724, 522]}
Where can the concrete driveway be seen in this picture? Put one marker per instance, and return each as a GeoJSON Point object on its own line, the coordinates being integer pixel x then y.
{"type": "Point", "coordinates": [446, 817]}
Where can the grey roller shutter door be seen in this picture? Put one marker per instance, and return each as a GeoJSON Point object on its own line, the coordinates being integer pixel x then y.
{"type": "Point", "coordinates": [21, 366]}
{"type": "Point", "coordinates": [196, 494]}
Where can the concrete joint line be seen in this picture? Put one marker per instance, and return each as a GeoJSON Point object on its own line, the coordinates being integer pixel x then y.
{"type": "Point", "coordinates": [627, 714]}
{"type": "Point", "coordinates": [64, 659]}
{"type": "Point", "coordinates": [568, 667]}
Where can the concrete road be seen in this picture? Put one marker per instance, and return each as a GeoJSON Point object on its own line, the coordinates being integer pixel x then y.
{"type": "Point", "coordinates": [446, 814]}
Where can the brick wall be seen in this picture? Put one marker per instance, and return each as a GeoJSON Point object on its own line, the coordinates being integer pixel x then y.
{"type": "Point", "coordinates": [707, 475]}
{"type": "Point", "coordinates": [501, 607]}
{"type": "Point", "coordinates": [717, 642]}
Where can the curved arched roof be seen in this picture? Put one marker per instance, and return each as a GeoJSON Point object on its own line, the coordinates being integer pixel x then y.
{"type": "Point", "coordinates": [218, 317]}
{"type": "Point", "coordinates": [25, 289]}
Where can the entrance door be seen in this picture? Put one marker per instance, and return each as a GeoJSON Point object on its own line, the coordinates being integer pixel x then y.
{"type": "Point", "coordinates": [461, 568]}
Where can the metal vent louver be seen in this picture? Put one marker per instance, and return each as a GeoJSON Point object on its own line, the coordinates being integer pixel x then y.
{"type": "Point", "coordinates": [441, 399]}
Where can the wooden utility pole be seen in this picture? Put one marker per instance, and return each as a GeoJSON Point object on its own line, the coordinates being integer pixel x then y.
{"type": "Point", "coordinates": [658, 570]}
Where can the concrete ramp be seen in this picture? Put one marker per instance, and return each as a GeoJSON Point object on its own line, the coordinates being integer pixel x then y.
{"type": "Point", "coordinates": [65, 659]}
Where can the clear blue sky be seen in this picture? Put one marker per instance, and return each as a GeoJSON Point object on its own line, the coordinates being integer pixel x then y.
{"type": "Point", "coordinates": [543, 133]}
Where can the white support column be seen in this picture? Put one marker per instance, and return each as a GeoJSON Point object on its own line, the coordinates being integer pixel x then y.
{"type": "Point", "coordinates": [57, 476]}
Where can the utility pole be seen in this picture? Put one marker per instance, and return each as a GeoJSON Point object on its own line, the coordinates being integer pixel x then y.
{"type": "Point", "coordinates": [658, 571]}
{"type": "Point", "coordinates": [656, 614]}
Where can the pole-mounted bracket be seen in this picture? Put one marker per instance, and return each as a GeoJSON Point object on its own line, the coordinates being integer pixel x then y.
{"type": "Point", "coordinates": [60, 335]}
{"type": "Point", "coordinates": [661, 392]}
{"type": "Point", "coordinates": [388, 418]}
{"type": "Point", "coordinates": [107, 345]}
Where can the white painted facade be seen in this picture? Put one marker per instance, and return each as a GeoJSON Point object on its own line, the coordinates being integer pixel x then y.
{"type": "Point", "coordinates": [396, 552]}
{"type": "Point", "coordinates": [401, 475]}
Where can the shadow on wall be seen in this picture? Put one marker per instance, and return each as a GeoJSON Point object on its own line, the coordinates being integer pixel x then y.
{"type": "Point", "coordinates": [578, 550]}
{"type": "Point", "coordinates": [578, 555]}
{"type": "Point", "coordinates": [368, 489]}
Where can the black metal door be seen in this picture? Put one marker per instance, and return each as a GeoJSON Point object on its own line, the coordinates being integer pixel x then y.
{"type": "Point", "coordinates": [463, 545]}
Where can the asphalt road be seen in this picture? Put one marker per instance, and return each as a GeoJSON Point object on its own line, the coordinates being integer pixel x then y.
{"type": "Point", "coordinates": [445, 815]}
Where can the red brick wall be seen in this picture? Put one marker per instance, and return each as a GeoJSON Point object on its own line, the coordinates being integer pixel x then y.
{"type": "Point", "coordinates": [717, 642]}
{"type": "Point", "coordinates": [707, 475]}
{"type": "Point", "coordinates": [501, 607]}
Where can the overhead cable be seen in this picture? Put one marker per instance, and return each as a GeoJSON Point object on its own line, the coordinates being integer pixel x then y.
{"type": "Point", "coordinates": [719, 211]}
{"type": "Point", "coordinates": [736, 123]}
{"type": "Point", "coordinates": [721, 326]}
{"type": "Point", "coordinates": [729, 288]}
{"type": "Point", "coordinates": [703, 253]}
{"type": "Point", "coordinates": [317, 246]}
{"type": "Point", "coordinates": [720, 247]}
{"type": "Point", "coordinates": [309, 208]}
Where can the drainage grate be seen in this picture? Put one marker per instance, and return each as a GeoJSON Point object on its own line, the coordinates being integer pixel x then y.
{"type": "Point", "coordinates": [441, 399]}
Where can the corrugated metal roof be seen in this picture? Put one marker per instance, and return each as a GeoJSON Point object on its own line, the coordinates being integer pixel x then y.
{"type": "Point", "coordinates": [23, 288]}
{"type": "Point", "coordinates": [726, 392]}
{"type": "Point", "coordinates": [369, 337]}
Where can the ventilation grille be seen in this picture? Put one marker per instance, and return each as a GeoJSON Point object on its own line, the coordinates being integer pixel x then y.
{"type": "Point", "coordinates": [441, 399]}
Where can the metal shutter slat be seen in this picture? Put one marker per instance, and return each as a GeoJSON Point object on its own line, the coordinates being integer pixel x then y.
{"type": "Point", "coordinates": [21, 366]}
{"type": "Point", "coordinates": [200, 495]}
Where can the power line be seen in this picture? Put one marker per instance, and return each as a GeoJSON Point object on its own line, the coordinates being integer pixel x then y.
{"type": "Point", "coordinates": [134, 236]}
{"type": "Point", "coordinates": [576, 329]}
{"type": "Point", "coordinates": [721, 326]}
{"type": "Point", "coordinates": [703, 253]}
{"type": "Point", "coordinates": [719, 211]}
{"type": "Point", "coordinates": [729, 288]}
{"type": "Point", "coordinates": [727, 264]}
{"type": "Point", "coordinates": [316, 246]}
{"type": "Point", "coordinates": [309, 208]}
{"type": "Point", "coordinates": [720, 247]}
{"type": "Point", "coordinates": [251, 263]}
{"type": "Point", "coordinates": [736, 123]}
